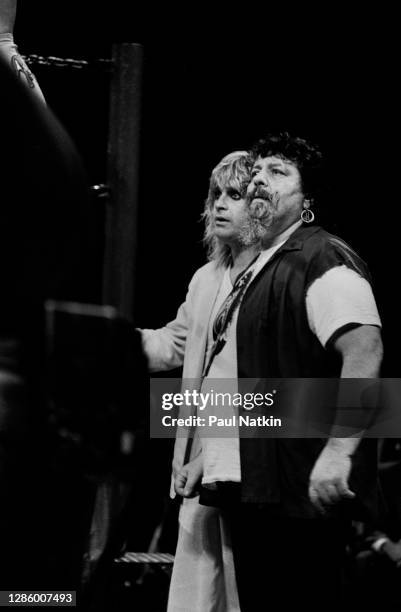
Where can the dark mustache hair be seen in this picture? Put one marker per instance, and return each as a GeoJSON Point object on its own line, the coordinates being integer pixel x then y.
{"type": "Point", "coordinates": [260, 192]}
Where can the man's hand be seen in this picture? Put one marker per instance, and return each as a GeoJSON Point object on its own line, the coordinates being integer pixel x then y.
{"type": "Point", "coordinates": [187, 478]}
{"type": "Point", "coordinates": [329, 478]}
{"type": "Point", "coordinates": [361, 352]}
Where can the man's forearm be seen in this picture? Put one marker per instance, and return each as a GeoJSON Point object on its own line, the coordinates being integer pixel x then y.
{"type": "Point", "coordinates": [359, 361]}
{"type": "Point", "coordinates": [330, 475]}
{"type": "Point", "coordinates": [361, 366]}
{"type": "Point", "coordinates": [344, 446]}
{"type": "Point", "coordinates": [354, 367]}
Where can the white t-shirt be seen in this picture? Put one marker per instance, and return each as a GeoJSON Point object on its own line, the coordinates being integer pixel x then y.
{"type": "Point", "coordinates": [339, 297]}
{"type": "Point", "coordinates": [221, 459]}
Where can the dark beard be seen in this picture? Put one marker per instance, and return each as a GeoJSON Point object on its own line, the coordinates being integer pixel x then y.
{"type": "Point", "coordinates": [262, 212]}
{"type": "Point", "coordinates": [260, 219]}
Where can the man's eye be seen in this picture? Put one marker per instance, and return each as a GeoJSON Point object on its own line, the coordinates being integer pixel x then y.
{"type": "Point", "coordinates": [235, 195]}
{"type": "Point", "coordinates": [277, 171]}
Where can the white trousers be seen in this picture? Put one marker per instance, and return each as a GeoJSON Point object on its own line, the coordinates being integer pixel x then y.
{"type": "Point", "coordinates": [203, 578]}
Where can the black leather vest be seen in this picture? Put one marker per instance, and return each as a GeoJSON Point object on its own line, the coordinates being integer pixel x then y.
{"type": "Point", "coordinates": [274, 341]}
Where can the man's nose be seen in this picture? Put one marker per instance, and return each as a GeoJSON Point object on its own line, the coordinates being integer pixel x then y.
{"type": "Point", "coordinates": [220, 203]}
{"type": "Point", "coordinates": [260, 179]}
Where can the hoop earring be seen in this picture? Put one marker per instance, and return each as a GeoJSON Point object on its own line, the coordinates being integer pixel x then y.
{"type": "Point", "coordinates": [307, 215]}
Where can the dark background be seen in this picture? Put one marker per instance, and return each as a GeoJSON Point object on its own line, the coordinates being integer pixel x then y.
{"type": "Point", "coordinates": [215, 82]}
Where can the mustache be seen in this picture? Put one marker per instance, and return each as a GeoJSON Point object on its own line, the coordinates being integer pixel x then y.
{"type": "Point", "coordinates": [262, 193]}
{"type": "Point", "coordinates": [261, 209]}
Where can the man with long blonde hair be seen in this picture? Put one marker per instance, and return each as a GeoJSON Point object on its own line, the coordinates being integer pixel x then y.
{"type": "Point", "coordinates": [203, 574]}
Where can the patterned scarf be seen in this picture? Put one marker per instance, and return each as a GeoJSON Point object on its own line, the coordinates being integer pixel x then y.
{"type": "Point", "coordinates": [226, 312]}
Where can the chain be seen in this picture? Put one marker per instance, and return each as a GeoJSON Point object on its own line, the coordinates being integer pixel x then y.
{"type": "Point", "coordinates": [65, 62]}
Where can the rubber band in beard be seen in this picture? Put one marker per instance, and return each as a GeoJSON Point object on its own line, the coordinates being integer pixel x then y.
{"type": "Point", "coordinates": [261, 215]}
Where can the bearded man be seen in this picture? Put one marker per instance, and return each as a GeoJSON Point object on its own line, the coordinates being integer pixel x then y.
{"type": "Point", "coordinates": [279, 299]}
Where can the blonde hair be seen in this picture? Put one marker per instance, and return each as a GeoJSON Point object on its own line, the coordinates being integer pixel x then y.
{"type": "Point", "coordinates": [234, 170]}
